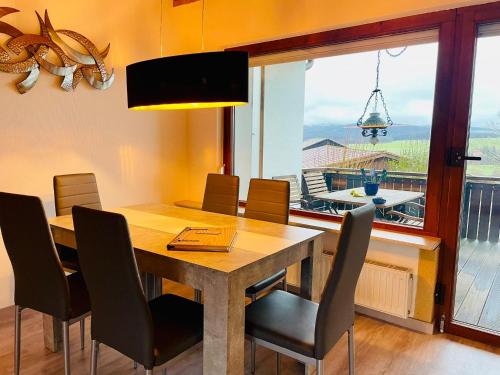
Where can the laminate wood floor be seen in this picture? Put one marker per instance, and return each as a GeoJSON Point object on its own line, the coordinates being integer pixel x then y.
{"type": "Point", "coordinates": [380, 349]}
{"type": "Point", "coordinates": [477, 297]}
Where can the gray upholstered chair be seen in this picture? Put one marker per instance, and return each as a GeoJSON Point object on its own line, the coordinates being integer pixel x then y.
{"type": "Point", "coordinates": [306, 330]}
{"type": "Point", "coordinates": [40, 281]}
{"type": "Point", "coordinates": [74, 190]}
{"type": "Point", "coordinates": [221, 194]}
{"type": "Point", "coordinates": [296, 199]}
{"type": "Point", "coordinates": [222, 197]}
{"type": "Point", "coordinates": [268, 200]}
{"type": "Point", "coordinates": [151, 333]}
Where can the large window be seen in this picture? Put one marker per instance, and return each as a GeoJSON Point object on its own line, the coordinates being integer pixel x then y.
{"type": "Point", "coordinates": [302, 126]}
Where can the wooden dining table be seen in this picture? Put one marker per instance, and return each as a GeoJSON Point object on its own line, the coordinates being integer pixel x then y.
{"type": "Point", "coordinates": [260, 250]}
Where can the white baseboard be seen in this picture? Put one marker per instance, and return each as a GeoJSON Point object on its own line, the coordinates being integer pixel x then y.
{"type": "Point", "coordinates": [413, 324]}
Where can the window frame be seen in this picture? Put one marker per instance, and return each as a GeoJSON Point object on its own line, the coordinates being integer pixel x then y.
{"type": "Point", "coordinates": [444, 22]}
{"type": "Point", "coordinates": [458, 31]}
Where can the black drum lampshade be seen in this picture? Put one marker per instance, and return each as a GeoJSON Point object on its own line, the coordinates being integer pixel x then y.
{"type": "Point", "coordinates": [201, 80]}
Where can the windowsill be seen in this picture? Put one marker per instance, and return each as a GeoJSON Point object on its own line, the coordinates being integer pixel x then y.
{"type": "Point", "coordinates": [418, 241]}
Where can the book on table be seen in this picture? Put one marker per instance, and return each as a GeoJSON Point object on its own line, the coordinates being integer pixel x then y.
{"type": "Point", "coordinates": [204, 239]}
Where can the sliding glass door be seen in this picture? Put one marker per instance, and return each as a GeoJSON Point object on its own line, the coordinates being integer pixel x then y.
{"type": "Point", "coordinates": [470, 269]}
{"type": "Point", "coordinates": [477, 286]}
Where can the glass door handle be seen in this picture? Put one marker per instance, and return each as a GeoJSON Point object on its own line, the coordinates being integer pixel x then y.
{"type": "Point", "coordinates": [475, 158]}
{"type": "Point", "coordinates": [457, 157]}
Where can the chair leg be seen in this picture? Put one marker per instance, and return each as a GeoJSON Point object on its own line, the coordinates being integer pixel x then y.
{"type": "Point", "coordinates": [65, 326]}
{"type": "Point", "coordinates": [278, 363]}
{"type": "Point", "coordinates": [149, 372]}
{"type": "Point", "coordinates": [17, 342]}
{"type": "Point", "coordinates": [252, 355]}
{"type": "Point", "coordinates": [350, 339]}
{"type": "Point", "coordinates": [197, 295]}
{"type": "Point", "coordinates": [320, 370]}
{"type": "Point", "coordinates": [93, 357]}
{"type": "Point", "coordinates": [284, 287]}
{"type": "Point", "coordinates": [82, 334]}
{"type": "Point", "coordinates": [252, 345]}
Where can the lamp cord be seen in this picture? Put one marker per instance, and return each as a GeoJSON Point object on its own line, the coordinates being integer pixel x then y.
{"type": "Point", "coordinates": [203, 26]}
{"type": "Point", "coordinates": [375, 94]}
{"type": "Point", "coordinates": [377, 90]}
{"type": "Point", "coordinates": [161, 28]}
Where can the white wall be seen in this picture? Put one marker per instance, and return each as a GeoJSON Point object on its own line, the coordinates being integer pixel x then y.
{"type": "Point", "coordinates": [283, 120]}
{"type": "Point", "coordinates": [284, 92]}
{"type": "Point", "coordinates": [137, 156]}
{"type": "Point", "coordinates": [247, 135]}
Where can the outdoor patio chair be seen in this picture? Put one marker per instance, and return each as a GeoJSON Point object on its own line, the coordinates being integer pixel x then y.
{"type": "Point", "coordinates": [414, 215]}
{"type": "Point", "coordinates": [314, 183]}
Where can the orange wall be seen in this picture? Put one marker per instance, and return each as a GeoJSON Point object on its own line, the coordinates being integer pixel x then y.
{"type": "Point", "coordinates": [137, 156]}
{"type": "Point", "coordinates": [231, 23]}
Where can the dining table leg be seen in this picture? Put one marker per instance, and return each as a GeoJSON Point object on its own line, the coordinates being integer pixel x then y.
{"type": "Point", "coordinates": [312, 280]}
{"type": "Point", "coordinates": [224, 325]}
{"type": "Point", "coordinates": [152, 285]}
{"type": "Point", "coordinates": [52, 333]}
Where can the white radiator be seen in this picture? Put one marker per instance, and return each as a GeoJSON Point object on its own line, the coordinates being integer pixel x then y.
{"type": "Point", "coordinates": [385, 288]}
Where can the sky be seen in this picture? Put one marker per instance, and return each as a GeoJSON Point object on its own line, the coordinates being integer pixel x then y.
{"type": "Point", "coordinates": [486, 93]}
{"type": "Point", "coordinates": [338, 87]}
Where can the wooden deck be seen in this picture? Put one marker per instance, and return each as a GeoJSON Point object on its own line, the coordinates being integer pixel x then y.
{"type": "Point", "coordinates": [477, 297]}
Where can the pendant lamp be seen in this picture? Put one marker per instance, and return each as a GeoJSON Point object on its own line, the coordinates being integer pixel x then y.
{"type": "Point", "coordinates": [375, 125]}
{"type": "Point", "coordinates": [199, 80]}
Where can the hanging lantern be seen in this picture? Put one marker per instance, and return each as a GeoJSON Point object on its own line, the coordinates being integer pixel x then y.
{"type": "Point", "coordinates": [375, 126]}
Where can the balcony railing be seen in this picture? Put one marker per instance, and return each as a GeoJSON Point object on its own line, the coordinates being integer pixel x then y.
{"type": "Point", "coordinates": [481, 213]}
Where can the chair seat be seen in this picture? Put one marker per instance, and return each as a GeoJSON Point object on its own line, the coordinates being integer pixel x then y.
{"type": "Point", "coordinates": [283, 319]}
{"type": "Point", "coordinates": [79, 296]}
{"type": "Point", "coordinates": [68, 257]}
{"type": "Point", "coordinates": [178, 325]}
{"type": "Point", "coordinates": [266, 283]}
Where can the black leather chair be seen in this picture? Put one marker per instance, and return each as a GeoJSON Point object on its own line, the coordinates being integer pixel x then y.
{"type": "Point", "coordinates": [268, 200]}
{"type": "Point", "coordinates": [151, 333]}
{"type": "Point", "coordinates": [222, 197]}
{"type": "Point", "coordinates": [74, 190]}
{"type": "Point", "coordinates": [306, 330]}
{"type": "Point", "coordinates": [40, 281]}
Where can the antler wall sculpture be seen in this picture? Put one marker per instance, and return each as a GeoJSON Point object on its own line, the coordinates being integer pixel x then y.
{"type": "Point", "coordinates": [34, 49]}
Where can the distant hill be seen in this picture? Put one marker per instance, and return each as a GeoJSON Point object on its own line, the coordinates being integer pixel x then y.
{"type": "Point", "coordinates": [340, 133]}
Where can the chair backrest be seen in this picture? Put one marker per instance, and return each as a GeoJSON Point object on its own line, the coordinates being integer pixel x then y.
{"type": "Point", "coordinates": [121, 317]}
{"type": "Point", "coordinates": [315, 183]}
{"type": "Point", "coordinates": [336, 309]}
{"type": "Point", "coordinates": [40, 282]}
{"type": "Point", "coordinates": [268, 200]}
{"type": "Point", "coordinates": [295, 189]}
{"type": "Point", "coordinates": [221, 194]}
{"type": "Point", "coordinates": [75, 190]}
